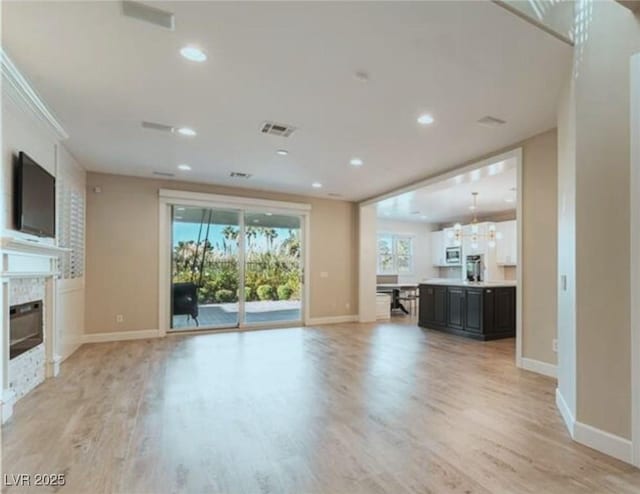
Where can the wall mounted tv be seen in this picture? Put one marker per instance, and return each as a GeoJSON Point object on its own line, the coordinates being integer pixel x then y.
{"type": "Point", "coordinates": [35, 198]}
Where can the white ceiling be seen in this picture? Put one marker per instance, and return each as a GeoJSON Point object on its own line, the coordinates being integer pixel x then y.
{"type": "Point", "coordinates": [449, 200]}
{"type": "Point", "coordinates": [291, 62]}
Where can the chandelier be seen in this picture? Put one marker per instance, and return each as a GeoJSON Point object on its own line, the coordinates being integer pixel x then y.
{"type": "Point", "coordinates": [457, 234]}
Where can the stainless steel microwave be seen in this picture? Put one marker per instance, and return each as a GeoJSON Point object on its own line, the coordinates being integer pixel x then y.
{"type": "Point", "coordinates": [454, 255]}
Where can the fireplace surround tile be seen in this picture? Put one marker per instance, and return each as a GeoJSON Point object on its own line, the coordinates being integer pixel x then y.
{"type": "Point", "coordinates": [27, 370]}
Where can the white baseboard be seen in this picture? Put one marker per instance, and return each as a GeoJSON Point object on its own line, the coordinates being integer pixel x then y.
{"type": "Point", "coordinates": [315, 321]}
{"type": "Point", "coordinates": [121, 336]}
{"type": "Point", "coordinates": [540, 367]}
{"type": "Point", "coordinates": [597, 439]}
{"type": "Point", "coordinates": [565, 413]}
{"type": "Point", "coordinates": [603, 441]}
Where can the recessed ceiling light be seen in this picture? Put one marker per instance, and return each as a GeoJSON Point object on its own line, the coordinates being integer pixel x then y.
{"type": "Point", "coordinates": [316, 185]}
{"type": "Point", "coordinates": [193, 53]}
{"type": "Point", "coordinates": [282, 152]}
{"type": "Point", "coordinates": [268, 214]}
{"type": "Point", "coordinates": [184, 167]}
{"type": "Point", "coordinates": [425, 119]}
{"type": "Point", "coordinates": [356, 162]}
{"type": "Point", "coordinates": [509, 199]}
{"type": "Point", "coordinates": [186, 131]}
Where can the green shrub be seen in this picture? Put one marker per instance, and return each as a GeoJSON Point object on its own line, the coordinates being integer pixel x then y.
{"type": "Point", "coordinates": [265, 292]}
{"type": "Point", "coordinates": [248, 293]}
{"type": "Point", "coordinates": [284, 292]}
{"type": "Point", "coordinates": [225, 296]}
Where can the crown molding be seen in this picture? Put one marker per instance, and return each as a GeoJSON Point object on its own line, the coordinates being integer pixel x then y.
{"type": "Point", "coordinates": [24, 94]}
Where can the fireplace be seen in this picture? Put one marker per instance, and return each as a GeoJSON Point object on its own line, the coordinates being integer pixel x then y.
{"type": "Point", "coordinates": [25, 327]}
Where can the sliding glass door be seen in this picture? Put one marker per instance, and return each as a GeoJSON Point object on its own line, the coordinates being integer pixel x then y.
{"type": "Point", "coordinates": [205, 268]}
{"type": "Point", "coordinates": [234, 268]}
{"type": "Point", "coordinates": [273, 269]}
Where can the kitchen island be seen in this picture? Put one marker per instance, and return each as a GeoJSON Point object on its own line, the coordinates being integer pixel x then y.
{"type": "Point", "coordinates": [479, 310]}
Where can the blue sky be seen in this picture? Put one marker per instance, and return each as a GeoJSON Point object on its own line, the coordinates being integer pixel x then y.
{"type": "Point", "coordinates": [183, 232]}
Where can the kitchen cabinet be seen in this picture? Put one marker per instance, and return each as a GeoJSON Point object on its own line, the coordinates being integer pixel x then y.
{"type": "Point", "coordinates": [438, 249]}
{"type": "Point", "coordinates": [507, 243]}
{"type": "Point", "coordinates": [455, 307]}
{"type": "Point", "coordinates": [450, 238]}
{"type": "Point", "coordinates": [479, 311]}
{"type": "Point", "coordinates": [433, 306]}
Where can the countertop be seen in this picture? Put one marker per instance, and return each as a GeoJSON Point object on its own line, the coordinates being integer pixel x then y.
{"type": "Point", "coordinates": [479, 284]}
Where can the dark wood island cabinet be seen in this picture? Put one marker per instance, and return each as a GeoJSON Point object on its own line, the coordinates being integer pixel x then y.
{"type": "Point", "coordinates": [480, 311]}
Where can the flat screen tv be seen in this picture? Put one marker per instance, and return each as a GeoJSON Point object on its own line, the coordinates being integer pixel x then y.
{"type": "Point", "coordinates": [35, 198]}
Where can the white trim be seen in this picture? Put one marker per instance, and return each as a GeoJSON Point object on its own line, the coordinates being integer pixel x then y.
{"type": "Point", "coordinates": [320, 321]}
{"type": "Point", "coordinates": [539, 367]}
{"type": "Point", "coordinates": [233, 202]}
{"type": "Point", "coordinates": [26, 247]}
{"type": "Point", "coordinates": [565, 413]}
{"type": "Point", "coordinates": [603, 441]}
{"type": "Point", "coordinates": [305, 251]}
{"type": "Point", "coordinates": [519, 225]}
{"type": "Point", "coordinates": [635, 255]}
{"type": "Point", "coordinates": [23, 94]}
{"type": "Point", "coordinates": [141, 334]}
{"type": "Point", "coordinates": [164, 267]}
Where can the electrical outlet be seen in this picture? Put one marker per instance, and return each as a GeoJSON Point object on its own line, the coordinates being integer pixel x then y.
{"type": "Point", "coordinates": [119, 318]}
{"type": "Point", "coordinates": [554, 345]}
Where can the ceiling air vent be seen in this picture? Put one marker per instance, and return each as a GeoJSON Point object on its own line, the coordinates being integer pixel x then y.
{"type": "Point", "coordinates": [164, 174]}
{"type": "Point", "coordinates": [240, 175]}
{"type": "Point", "coordinates": [490, 121]}
{"type": "Point", "coordinates": [157, 126]}
{"type": "Point", "coordinates": [277, 129]}
{"type": "Point", "coordinates": [145, 13]}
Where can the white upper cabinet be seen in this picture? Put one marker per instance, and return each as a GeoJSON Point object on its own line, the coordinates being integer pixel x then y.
{"type": "Point", "coordinates": [507, 243]}
{"type": "Point", "coordinates": [449, 237]}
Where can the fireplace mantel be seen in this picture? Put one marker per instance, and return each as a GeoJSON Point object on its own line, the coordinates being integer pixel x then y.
{"type": "Point", "coordinates": [34, 247]}
{"type": "Point", "coordinates": [23, 258]}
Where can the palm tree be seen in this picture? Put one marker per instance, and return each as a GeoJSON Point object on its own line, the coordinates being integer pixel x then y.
{"type": "Point", "coordinates": [251, 233]}
{"type": "Point", "coordinates": [271, 234]}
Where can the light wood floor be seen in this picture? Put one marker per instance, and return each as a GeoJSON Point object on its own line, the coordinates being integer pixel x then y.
{"type": "Point", "coordinates": [385, 408]}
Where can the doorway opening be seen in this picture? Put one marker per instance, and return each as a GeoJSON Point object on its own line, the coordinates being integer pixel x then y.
{"type": "Point", "coordinates": [459, 236]}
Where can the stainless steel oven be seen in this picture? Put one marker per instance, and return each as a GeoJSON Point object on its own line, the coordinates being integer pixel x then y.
{"type": "Point", "coordinates": [454, 256]}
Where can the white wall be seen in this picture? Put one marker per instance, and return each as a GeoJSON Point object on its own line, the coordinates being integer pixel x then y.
{"type": "Point", "coordinates": [595, 357]}
{"type": "Point", "coordinates": [566, 256]}
{"type": "Point", "coordinates": [367, 264]}
{"type": "Point", "coordinates": [421, 234]}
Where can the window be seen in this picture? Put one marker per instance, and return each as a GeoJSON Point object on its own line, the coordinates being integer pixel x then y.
{"type": "Point", "coordinates": [395, 254]}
